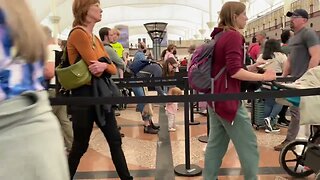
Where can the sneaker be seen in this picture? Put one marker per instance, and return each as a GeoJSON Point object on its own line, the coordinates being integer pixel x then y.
{"type": "Point", "coordinates": [267, 121]}
{"type": "Point", "coordinates": [203, 113]}
{"type": "Point", "coordinates": [150, 130]}
{"type": "Point", "coordinates": [204, 149]}
{"type": "Point", "coordinates": [283, 123]}
{"type": "Point", "coordinates": [274, 129]}
{"type": "Point", "coordinates": [281, 146]}
{"type": "Point", "coordinates": [156, 127]}
{"type": "Point", "coordinates": [172, 129]}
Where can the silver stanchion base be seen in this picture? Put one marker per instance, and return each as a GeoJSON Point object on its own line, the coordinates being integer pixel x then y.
{"type": "Point", "coordinates": [203, 139]}
{"type": "Point", "coordinates": [194, 123]}
{"type": "Point", "coordinates": [181, 170]}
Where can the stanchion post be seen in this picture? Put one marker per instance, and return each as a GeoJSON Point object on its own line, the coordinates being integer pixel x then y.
{"type": "Point", "coordinates": [192, 121]}
{"type": "Point", "coordinates": [197, 104]}
{"type": "Point", "coordinates": [187, 169]}
{"type": "Point", "coordinates": [204, 138]}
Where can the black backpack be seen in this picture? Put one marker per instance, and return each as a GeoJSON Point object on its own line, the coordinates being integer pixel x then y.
{"type": "Point", "coordinates": [59, 89]}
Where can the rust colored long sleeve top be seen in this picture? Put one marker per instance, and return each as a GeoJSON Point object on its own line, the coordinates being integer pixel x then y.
{"type": "Point", "coordinates": [89, 47]}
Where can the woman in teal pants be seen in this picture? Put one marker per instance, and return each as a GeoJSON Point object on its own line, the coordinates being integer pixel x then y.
{"type": "Point", "coordinates": [229, 120]}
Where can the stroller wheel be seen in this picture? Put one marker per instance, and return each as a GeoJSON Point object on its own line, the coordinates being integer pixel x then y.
{"type": "Point", "coordinates": [292, 158]}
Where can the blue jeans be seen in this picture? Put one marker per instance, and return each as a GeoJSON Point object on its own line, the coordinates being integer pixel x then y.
{"type": "Point", "coordinates": [138, 91]}
{"type": "Point", "coordinates": [271, 108]}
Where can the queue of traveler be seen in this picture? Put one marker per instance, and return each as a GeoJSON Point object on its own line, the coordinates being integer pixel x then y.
{"type": "Point", "coordinates": [33, 123]}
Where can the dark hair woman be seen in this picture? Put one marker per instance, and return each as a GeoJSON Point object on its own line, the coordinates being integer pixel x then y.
{"type": "Point", "coordinates": [169, 67]}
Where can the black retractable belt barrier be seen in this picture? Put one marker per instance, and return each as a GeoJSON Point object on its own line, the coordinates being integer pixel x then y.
{"type": "Point", "coordinates": [187, 169]}
{"type": "Point", "coordinates": [148, 82]}
{"type": "Point", "coordinates": [192, 98]}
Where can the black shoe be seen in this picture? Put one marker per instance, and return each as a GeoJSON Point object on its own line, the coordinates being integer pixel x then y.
{"type": "Point", "coordinates": [154, 126]}
{"type": "Point", "coordinates": [283, 122]}
{"type": "Point", "coordinates": [119, 128]}
{"type": "Point", "coordinates": [150, 130]}
{"type": "Point", "coordinates": [117, 114]}
{"type": "Point", "coordinates": [122, 135]}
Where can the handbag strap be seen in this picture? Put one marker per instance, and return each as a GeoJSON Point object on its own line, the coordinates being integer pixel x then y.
{"type": "Point", "coordinates": [65, 58]}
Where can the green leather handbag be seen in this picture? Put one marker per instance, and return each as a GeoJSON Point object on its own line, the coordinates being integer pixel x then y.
{"type": "Point", "coordinates": [73, 76]}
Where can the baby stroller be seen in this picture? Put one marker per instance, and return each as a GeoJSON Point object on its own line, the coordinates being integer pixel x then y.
{"type": "Point", "coordinates": [301, 158]}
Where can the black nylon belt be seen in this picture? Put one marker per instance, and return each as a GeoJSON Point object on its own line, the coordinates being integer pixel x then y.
{"type": "Point", "coordinates": [184, 98]}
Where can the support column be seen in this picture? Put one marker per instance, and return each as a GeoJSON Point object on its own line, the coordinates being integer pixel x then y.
{"type": "Point", "coordinates": [202, 30]}
{"type": "Point", "coordinates": [54, 19]}
{"type": "Point", "coordinates": [210, 23]}
{"type": "Point", "coordinates": [286, 8]}
{"type": "Point", "coordinates": [156, 31]}
{"type": "Point", "coordinates": [55, 25]}
{"type": "Point", "coordinates": [156, 49]}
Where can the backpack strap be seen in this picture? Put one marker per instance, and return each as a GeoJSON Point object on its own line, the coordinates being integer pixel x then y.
{"type": "Point", "coordinates": [216, 38]}
{"type": "Point", "coordinates": [216, 77]}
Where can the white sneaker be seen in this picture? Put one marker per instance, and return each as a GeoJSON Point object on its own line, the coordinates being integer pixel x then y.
{"type": "Point", "coordinates": [172, 129]}
{"type": "Point", "coordinates": [267, 121]}
{"type": "Point", "coordinates": [274, 129]}
{"type": "Point", "coordinates": [204, 149]}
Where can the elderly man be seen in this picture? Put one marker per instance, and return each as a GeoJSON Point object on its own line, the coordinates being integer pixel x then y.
{"type": "Point", "coordinates": [304, 54]}
{"type": "Point", "coordinates": [261, 38]}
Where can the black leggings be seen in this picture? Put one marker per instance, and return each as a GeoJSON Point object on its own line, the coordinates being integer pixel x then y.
{"type": "Point", "coordinates": [83, 118]}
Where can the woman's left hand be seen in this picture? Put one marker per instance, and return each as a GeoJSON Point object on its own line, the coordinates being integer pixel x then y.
{"type": "Point", "coordinates": [97, 68]}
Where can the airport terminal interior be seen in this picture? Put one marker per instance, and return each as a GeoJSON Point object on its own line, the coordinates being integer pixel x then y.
{"type": "Point", "coordinates": [182, 23]}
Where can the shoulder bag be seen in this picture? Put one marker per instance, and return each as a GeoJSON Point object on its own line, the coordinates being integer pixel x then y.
{"type": "Point", "coordinates": [74, 75]}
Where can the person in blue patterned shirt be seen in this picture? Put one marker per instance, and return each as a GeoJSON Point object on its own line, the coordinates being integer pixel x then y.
{"type": "Point", "coordinates": [30, 138]}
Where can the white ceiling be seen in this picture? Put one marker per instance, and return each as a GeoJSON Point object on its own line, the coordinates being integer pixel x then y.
{"type": "Point", "coordinates": [184, 17]}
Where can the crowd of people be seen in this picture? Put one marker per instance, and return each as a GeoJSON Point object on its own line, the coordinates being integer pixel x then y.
{"type": "Point", "coordinates": [31, 133]}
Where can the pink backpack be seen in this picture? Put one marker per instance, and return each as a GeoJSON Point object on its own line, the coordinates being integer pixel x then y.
{"type": "Point", "coordinates": [199, 72]}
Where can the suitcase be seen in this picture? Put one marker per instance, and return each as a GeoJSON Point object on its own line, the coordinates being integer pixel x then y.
{"type": "Point", "coordinates": [257, 116]}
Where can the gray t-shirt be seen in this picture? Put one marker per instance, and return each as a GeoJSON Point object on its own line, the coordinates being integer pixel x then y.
{"type": "Point", "coordinates": [114, 56]}
{"type": "Point", "coordinates": [299, 46]}
{"type": "Point", "coordinates": [117, 61]}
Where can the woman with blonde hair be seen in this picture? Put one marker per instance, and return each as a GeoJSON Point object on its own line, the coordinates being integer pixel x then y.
{"type": "Point", "coordinates": [229, 120]}
{"type": "Point", "coordinates": [30, 138]}
{"type": "Point", "coordinates": [82, 42]}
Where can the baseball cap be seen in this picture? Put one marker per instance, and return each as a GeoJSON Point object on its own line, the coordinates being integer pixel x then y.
{"type": "Point", "coordinates": [298, 12]}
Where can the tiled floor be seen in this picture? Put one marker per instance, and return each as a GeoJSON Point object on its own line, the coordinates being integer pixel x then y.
{"type": "Point", "coordinates": [141, 151]}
